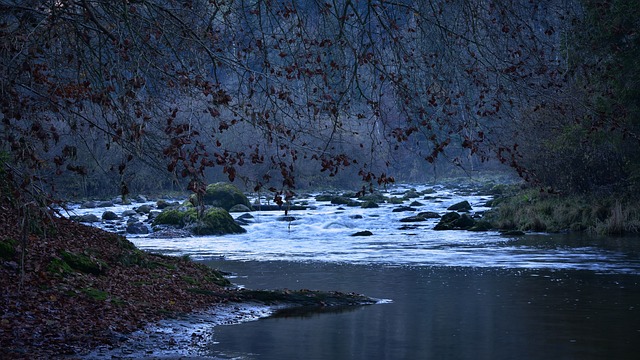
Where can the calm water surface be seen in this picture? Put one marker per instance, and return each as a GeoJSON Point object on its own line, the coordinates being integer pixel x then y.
{"type": "Point", "coordinates": [454, 294]}
{"type": "Point", "coordinates": [441, 313]}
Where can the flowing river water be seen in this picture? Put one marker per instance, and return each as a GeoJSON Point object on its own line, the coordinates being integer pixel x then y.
{"type": "Point", "coordinates": [448, 294]}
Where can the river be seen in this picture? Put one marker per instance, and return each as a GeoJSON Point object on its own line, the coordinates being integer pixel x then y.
{"type": "Point", "coordinates": [448, 294]}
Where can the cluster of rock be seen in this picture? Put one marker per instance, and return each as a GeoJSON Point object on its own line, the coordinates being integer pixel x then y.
{"type": "Point", "coordinates": [458, 216]}
{"type": "Point", "coordinates": [209, 214]}
{"type": "Point", "coordinates": [176, 219]}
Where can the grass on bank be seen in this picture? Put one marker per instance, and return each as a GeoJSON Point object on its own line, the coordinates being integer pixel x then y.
{"type": "Point", "coordinates": [533, 210]}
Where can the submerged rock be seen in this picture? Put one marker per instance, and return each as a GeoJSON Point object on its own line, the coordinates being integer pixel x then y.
{"type": "Point", "coordinates": [416, 218]}
{"type": "Point", "coordinates": [362, 233]}
{"type": "Point", "coordinates": [403, 209]}
{"type": "Point", "coordinates": [429, 215]}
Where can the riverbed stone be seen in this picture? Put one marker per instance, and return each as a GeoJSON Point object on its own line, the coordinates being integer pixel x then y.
{"type": "Point", "coordinates": [395, 200]}
{"type": "Point", "coordinates": [224, 195]}
{"type": "Point", "coordinates": [109, 215]}
{"type": "Point", "coordinates": [239, 208]}
{"type": "Point", "coordinates": [128, 213]}
{"type": "Point", "coordinates": [465, 222]}
{"type": "Point", "coordinates": [163, 204]}
{"type": "Point", "coordinates": [362, 233]}
{"type": "Point", "coordinates": [215, 221]}
{"type": "Point", "coordinates": [324, 197]}
{"type": "Point", "coordinates": [137, 228]}
{"type": "Point", "coordinates": [341, 200]}
{"type": "Point", "coordinates": [103, 204]}
{"type": "Point", "coordinates": [461, 206]}
{"type": "Point", "coordinates": [369, 205]}
{"type": "Point", "coordinates": [416, 218]}
{"type": "Point", "coordinates": [375, 197]}
{"type": "Point", "coordinates": [429, 214]}
{"type": "Point", "coordinates": [143, 209]}
{"type": "Point", "coordinates": [173, 216]}
{"type": "Point", "coordinates": [411, 194]}
{"type": "Point", "coordinates": [455, 221]}
{"type": "Point", "coordinates": [88, 205]}
{"type": "Point", "coordinates": [403, 209]}
{"type": "Point", "coordinates": [481, 225]}
{"type": "Point", "coordinates": [88, 218]}
{"type": "Point", "coordinates": [450, 217]}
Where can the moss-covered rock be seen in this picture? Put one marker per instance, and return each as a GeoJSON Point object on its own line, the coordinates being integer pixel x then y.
{"type": "Point", "coordinates": [411, 194]}
{"type": "Point", "coordinates": [395, 200]}
{"type": "Point", "coordinates": [224, 195]}
{"type": "Point", "coordinates": [375, 197]}
{"type": "Point", "coordinates": [84, 263]}
{"type": "Point", "coordinates": [239, 208]}
{"type": "Point", "coordinates": [174, 217]}
{"type": "Point", "coordinates": [324, 197]}
{"type": "Point", "coordinates": [341, 200]}
{"type": "Point", "coordinates": [216, 221]}
{"type": "Point", "coordinates": [369, 205]}
{"type": "Point", "coordinates": [59, 267]}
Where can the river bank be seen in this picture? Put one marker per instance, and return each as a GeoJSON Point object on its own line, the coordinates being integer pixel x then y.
{"type": "Point", "coordinates": [76, 288]}
{"type": "Point", "coordinates": [535, 210]}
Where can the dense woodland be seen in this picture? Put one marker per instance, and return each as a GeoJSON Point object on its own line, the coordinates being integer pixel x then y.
{"type": "Point", "coordinates": [98, 96]}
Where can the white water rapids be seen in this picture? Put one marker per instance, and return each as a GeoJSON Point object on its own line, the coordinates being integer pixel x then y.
{"type": "Point", "coordinates": [323, 233]}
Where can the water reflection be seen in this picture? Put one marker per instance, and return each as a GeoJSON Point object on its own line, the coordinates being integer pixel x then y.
{"type": "Point", "coordinates": [442, 313]}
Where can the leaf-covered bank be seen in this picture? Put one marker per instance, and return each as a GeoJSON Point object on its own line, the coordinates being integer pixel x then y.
{"type": "Point", "coordinates": [539, 211]}
{"type": "Point", "coordinates": [79, 287]}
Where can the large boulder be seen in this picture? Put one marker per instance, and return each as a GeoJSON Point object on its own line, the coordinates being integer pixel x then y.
{"type": "Point", "coordinates": [214, 221]}
{"type": "Point", "coordinates": [224, 195]}
{"type": "Point", "coordinates": [173, 216]}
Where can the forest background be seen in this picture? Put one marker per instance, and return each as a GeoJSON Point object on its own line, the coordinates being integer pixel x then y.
{"type": "Point", "coordinates": [99, 97]}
